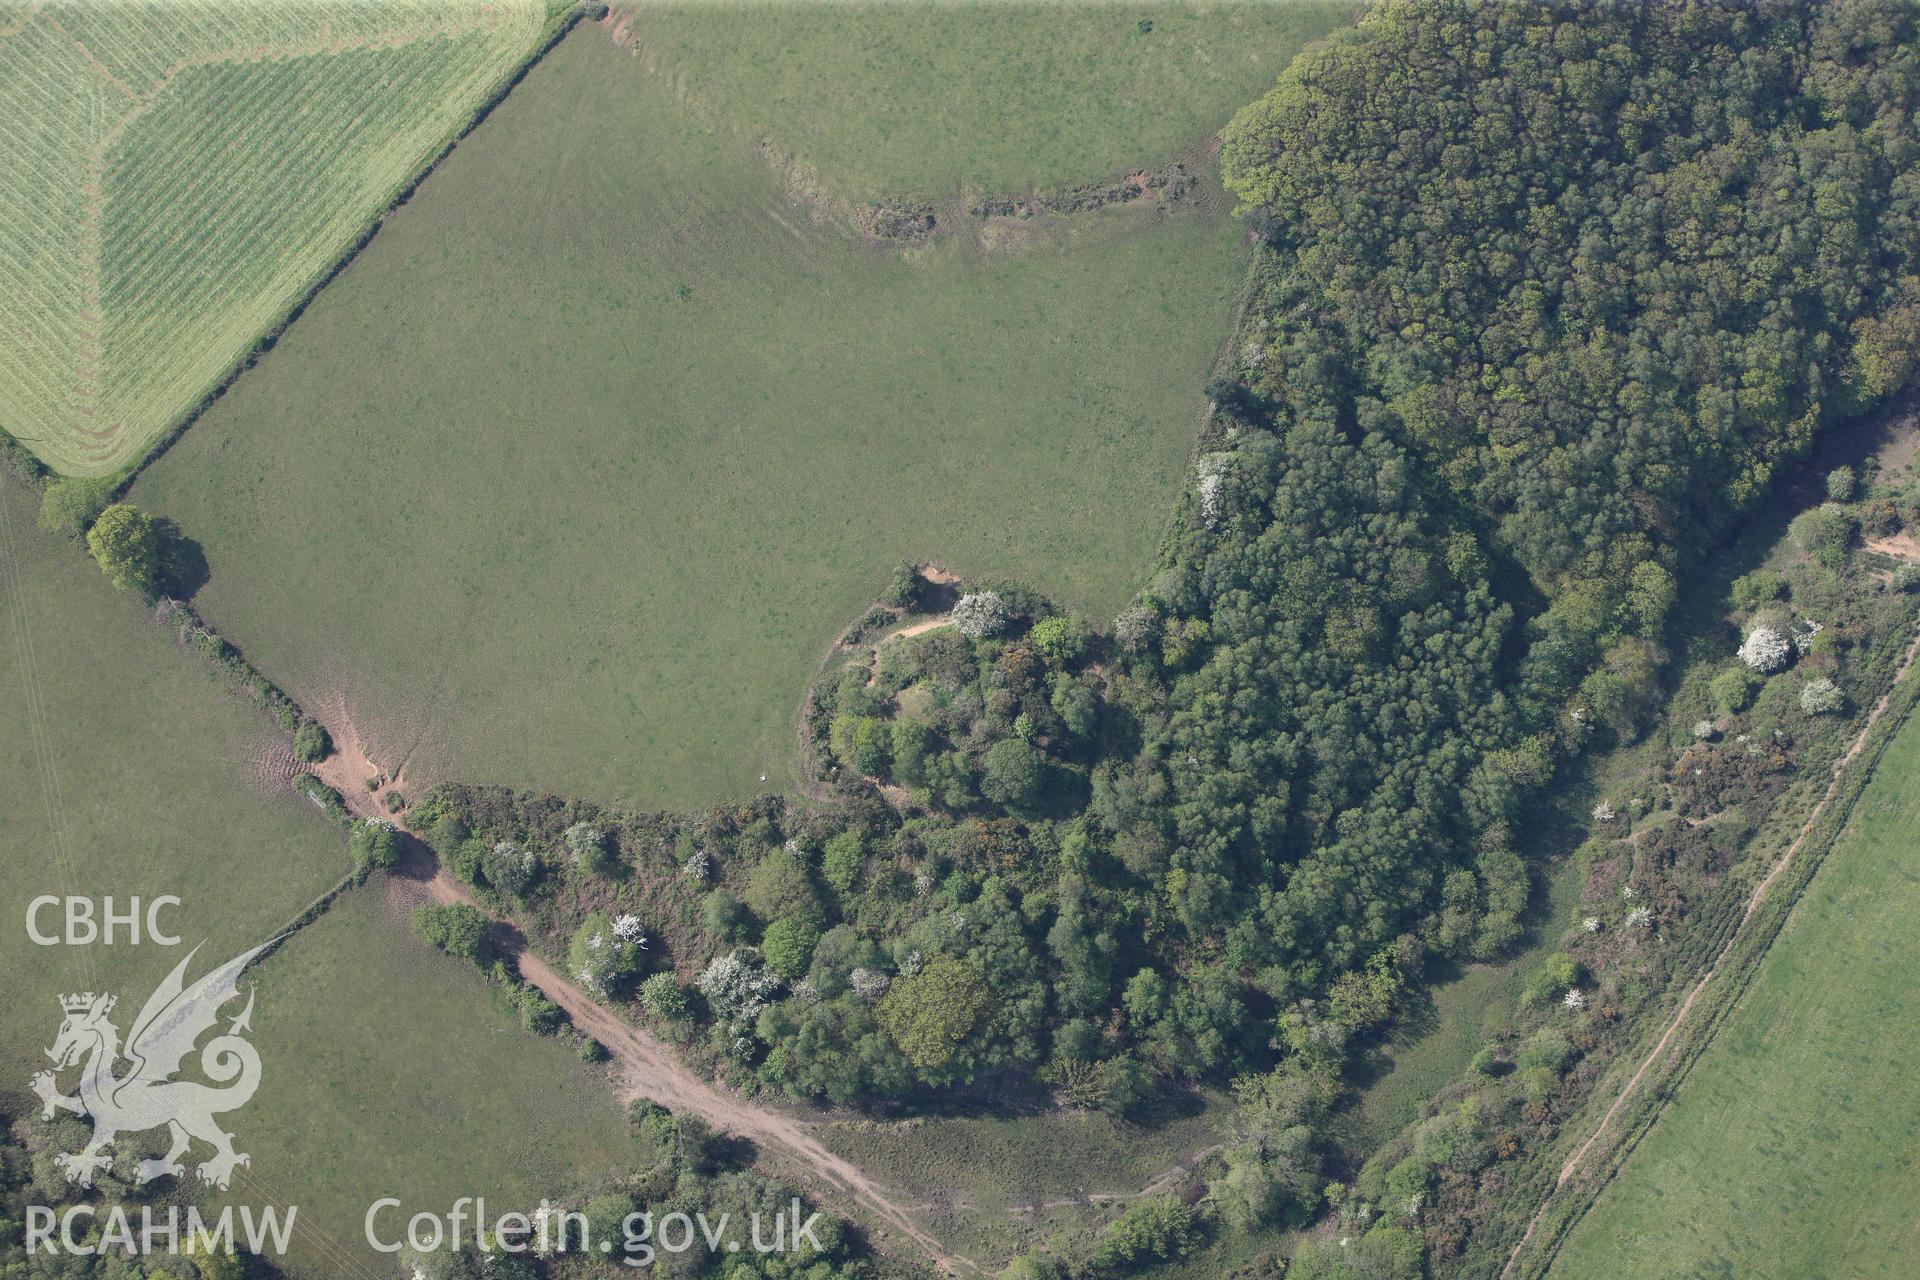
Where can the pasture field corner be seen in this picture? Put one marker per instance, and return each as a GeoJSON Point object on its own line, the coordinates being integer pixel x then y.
{"type": "Point", "coordinates": [999, 1185]}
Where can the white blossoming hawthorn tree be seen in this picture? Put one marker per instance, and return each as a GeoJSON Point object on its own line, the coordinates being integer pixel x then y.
{"type": "Point", "coordinates": [587, 845]}
{"type": "Point", "coordinates": [1765, 650]}
{"type": "Point", "coordinates": [980, 614]}
{"type": "Point", "coordinates": [603, 961]}
{"type": "Point", "coordinates": [738, 986]}
{"type": "Point", "coordinates": [1821, 697]}
{"type": "Point", "coordinates": [510, 868]}
{"type": "Point", "coordinates": [1136, 629]}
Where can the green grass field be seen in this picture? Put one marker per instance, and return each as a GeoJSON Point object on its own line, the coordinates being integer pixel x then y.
{"type": "Point", "coordinates": [126, 770]}
{"type": "Point", "coordinates": [1792, 1148]}
{"type": "Point", "coordinates": [929, 99]}
{"type": "Point", "coordinates": [996, 1186]}
{"type": "Point", "coordinates": [569, 480]}
{"type": "Point", "coordinates": [391, 1070]}
{"type": "Point", "coordinates": [179, 174]}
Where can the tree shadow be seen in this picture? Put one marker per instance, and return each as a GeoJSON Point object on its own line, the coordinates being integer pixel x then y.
{"type": "Point", "coordinates": [934, 597]}
{"type": "Point", "coordinates": [417, 861]}
{"type": "Point", "coordinates": [1415, 1017]}
{"type": "Point", "coordinates": [1011, 1096]}
{"type": "Point", "coordinates": [1167, 1104]}
{"type": "Point", "coordinates": [731, 1151]}
{"type": "Point", "coordinates": [183, 563]}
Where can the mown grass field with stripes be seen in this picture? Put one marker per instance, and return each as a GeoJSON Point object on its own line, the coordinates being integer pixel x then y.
{"type": "Point", "coordinates": [179, 175]}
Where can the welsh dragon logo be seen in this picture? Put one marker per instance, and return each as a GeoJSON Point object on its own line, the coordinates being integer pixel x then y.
{"type": "Point", "coordinates": [147, 1096]}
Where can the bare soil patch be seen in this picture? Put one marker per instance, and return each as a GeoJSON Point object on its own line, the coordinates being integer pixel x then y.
{"type": "Point", "coordinates": [355, 768]}
{"type": "Point", "coordinates": [920, 628]}
{"type": "Point", "coordinates": [618, 25]}
{"type": "Point", "coordinates": [1900, 546]}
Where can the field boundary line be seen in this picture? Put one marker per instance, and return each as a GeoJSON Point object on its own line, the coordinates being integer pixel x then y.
{"type": "Point", "coordinates": [310, 913]}
{"type": "Point", "coordinates": [672, 1081]}
{"type": "Point", "coordinates": [337, 1254]}
{"type": "Point", "coordinates": [1208, 432]}
{"type": "Point", "coordinates": [1828, 823]}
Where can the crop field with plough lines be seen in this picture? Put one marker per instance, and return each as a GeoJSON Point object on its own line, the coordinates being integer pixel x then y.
{"type": "Point", "coordinates": [181, 176]}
